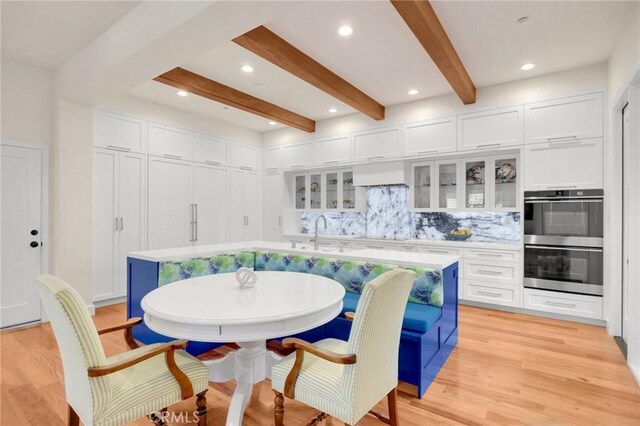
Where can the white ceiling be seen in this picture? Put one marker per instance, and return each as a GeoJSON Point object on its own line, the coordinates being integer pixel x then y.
{"type": "Point", "coordinates": [383, 58]}
{"type": "Point", "coordinates": [48, 33]}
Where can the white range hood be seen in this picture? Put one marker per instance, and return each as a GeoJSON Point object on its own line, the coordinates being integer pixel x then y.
{"type": "Point", "coordinates": [384, 173]}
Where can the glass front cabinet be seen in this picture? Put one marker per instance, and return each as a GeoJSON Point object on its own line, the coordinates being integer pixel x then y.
{"type": "Point", "coordinates": [328, 191]}
{"type": "Point", "coordinates": [476, 184]}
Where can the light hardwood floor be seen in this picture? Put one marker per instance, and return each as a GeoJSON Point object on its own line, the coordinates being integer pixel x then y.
{"type": "Point", "coordinates": [507, 369]}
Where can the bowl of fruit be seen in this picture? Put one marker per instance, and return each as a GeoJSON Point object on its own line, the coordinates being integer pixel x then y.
{"type": "Point", "coordinates": [459, 235]}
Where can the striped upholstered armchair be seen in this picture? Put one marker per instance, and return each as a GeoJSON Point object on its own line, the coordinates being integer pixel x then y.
{"type": "Point", "coordinates": [125, 387]}
{"type": "Point", "coordinates": [347, 379]}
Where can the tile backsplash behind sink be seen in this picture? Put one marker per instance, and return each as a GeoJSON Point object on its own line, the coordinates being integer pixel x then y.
{"type": "Point", "coordinates": [388, 216]}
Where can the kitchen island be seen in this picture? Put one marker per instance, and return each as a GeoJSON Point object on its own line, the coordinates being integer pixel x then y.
{"type": "Point", "coordinates": [431, 316]}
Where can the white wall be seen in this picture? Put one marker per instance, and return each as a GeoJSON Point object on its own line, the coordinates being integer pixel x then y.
{"type": "Point", "coordinates": [589, 78]}
{"type": "Point", "coordinates": [625, 56]}
{"type": "Point", "coordinates": [179, 118]}
{"type": "Point", "coordinates": [27, 103]}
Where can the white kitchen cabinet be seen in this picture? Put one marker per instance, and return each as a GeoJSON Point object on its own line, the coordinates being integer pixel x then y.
{"type": "Point", "coordinates": [578, 305]}
{"type": "Point", "coordinates": [376, 144]}
{"type": "Point", "coordinates": [430, 136]}
{"type": "Point", "coordinates": [245, 157]}
{"type": "Point", "coordinates": [273, 189]}
{"type": "Point", "coordinates": [210, 193]}
{"type": "Point", "coordinates": [422, 192]}
{"type": "Point", "coordinates": [567, 164]}
{"type": "Point", "coordinates": [119, 218]}
{"type": "Point", "coordinates": [298, 155]}
{"type": "Point", "coordinates": [170, 142]}
{"type": "Point", "coordinates": [170, 203]}
{"type": "Point", "coordinates": [576, 117]}
{"type": "Point", "coordinates": [333, 150]}
{"type": "Point", "coordinates": [210, 150]}
{"type": "Point", "coordinates": [492, 293]}
{"type": "Point", "coordinates": [273, 158]}
{"type": "Point", "coordinates": [244, 206]}
{"type": "Point", "coordinates": [119, 132]}
{"type": "Point", "coordinates": [491, 129]}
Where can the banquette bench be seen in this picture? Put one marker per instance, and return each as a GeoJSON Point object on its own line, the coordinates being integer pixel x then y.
{"type": "Point", "coordinates": [430, 326]}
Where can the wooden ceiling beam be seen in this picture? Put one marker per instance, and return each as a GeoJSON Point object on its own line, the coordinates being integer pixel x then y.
{"type": "Point", "coordinates": [191, 82]}
{"type": "Point", "coordinates": [425, 25]}
{"type": "Point", "coordinates": [268, 45]}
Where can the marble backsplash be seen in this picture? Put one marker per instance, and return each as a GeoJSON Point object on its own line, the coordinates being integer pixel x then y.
{"type": "Point", "coordinates": [388, 217]}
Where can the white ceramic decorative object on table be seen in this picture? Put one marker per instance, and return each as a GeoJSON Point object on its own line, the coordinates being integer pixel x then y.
{"type": "Point", "coordinates": [213, 308]}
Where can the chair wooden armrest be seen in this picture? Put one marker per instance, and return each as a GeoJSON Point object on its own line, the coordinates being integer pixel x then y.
{"type": "Point", "coordinates": [168, 349]}
{"type": "Point", "coordinates": [127, 327]}
{"type": "Point", "coordinates": [349, 316]}
{"type": "Point", "coordinates": [301, 347]}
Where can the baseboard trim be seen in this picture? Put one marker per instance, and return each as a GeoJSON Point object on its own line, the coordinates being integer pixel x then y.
{"type": "Point", "coordinates": [108, 302]}
{"type": "Point", "coordinates": [590, 321]}
{"type": "Point", "coordinates": [635, 372]}
{"type": "Point", "coordinates": [92, 309]}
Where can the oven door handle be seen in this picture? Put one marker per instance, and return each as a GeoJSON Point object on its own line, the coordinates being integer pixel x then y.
{"type": "Point", "coordinates": [594, 250]}
{"type": "Point", "coordinates": [564, 200]}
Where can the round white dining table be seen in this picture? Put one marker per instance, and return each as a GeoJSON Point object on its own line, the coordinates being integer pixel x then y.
{"type": "Point", "coordinates": [213, 308]}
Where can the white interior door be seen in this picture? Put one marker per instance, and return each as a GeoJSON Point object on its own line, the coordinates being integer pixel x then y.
{"type": "Point", "coordinates": [210, 188]}
{"type": "Point", "coordinates": [132, 212]}
{"type": "Point", "coordinates": [170, 187]}
{"type": "Point", "coordinates": [236, 206]}
{"type": "Point", "coordinates": [21, 251]}
{"type": "Point", "coordinates": [105, 223]}
{"type": "Point", "coordinates": [252, 206]}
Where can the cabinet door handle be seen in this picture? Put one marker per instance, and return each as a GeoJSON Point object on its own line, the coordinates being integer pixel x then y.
{"type": "Point", "coordinates": [487, 272]}
{"type": "Point", "coordinates": [247, 220]}
{"type": "Point", "coordinates": [559, 304]}
{"type": "Point", "coordinates": [489, 293]}
{"type": "Point", "coordinates": [489, 255]}
{"type": "Point", "coordinates": [378, 157]}
{"type": "Point", "coordinates": [408, 247]}
{"type": "Point", "coordinates": [215, 163]}
{"type": "Point", "coordinates": [297, 166]}
{"type": "Point", "coordinates": [331, 162]}
{"type": "Point", "coordinates": [279, 220]}
{"type": "Point", "coordinates": [195, 221]}
{"type": "Point", "coordinates": [115, 224]}
{"type": "Point", "coordinates": [375, 247]}
{"type": "Point", "coordinates": [175, 157]}
{"type": "Point", "coordinates": [192, 222]}
{"type": "Point", "coordinates": [118, 148]}
{"type": "Point", "coordinates": [563, 139]}
{"type": "Point", "coordinates": [488, 145]}
{"type": "Point", "coordinates": [121, 223]}
{"type": "Point", "coordinates": [272, 169]}
{"type": "Point", "coordinates": [438, 251]}
{"type": "Point", "coordinates": [245, 168]}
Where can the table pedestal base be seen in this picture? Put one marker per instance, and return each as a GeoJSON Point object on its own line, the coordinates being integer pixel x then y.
{"type": "Point", "coordinates": [248, 365]}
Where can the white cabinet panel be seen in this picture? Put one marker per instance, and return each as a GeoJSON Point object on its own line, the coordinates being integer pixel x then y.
{"type": "Point", "coordinates": [170, 199]}
{"type": "Point", "coordinates": [244, 156]}
{"type": "Point", "coordinates": [563, 165]}
{"type": "Point", "coordinates": [298, 155]}
{"type": "Point", "coordinates": [210, 150]}
{"type": "Point", "coordinates": [244, 206]}
{"type": "Point", "coordinates": [577, 117]}
{"type": "Point", "coordinates": [333, 150]}
{"type": "Point", "coordinates": [273, 158]}
{"type": "Point", "coordinates": [505, 273]}
{"type": "Point", "coordinates": [272, 216]}
{"type": "Point", "coordinates": [447, 251]}
{"type": "Point", "coordinates": [429, 137]}
{"type": "Point", "coordinates": [578, 305]}
{"type": "Point", "coordinates": [105, 224]}
{"type": "Point", "coordinates": [236, 206]}
{"type": "Point", "coordinates": [210, 190]}
{"type": "Point", "coordinates": [491, 129]}
{"type": "Point", "coordinates": [252, 206]}
{"type": "Point", "coordinates": [495, 294]}
{"type": "Point", "coordinates": [170, 142]}
{"type": "Point", "coordinates": [120, 132]}
{"type": "Point", "coordinates": [376, 144]}
{"type": "Point", "coordinates": [492, 255]}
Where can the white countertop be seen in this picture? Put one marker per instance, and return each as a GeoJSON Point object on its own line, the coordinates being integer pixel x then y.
{"type": "Point", "coordinates": [368, 255]}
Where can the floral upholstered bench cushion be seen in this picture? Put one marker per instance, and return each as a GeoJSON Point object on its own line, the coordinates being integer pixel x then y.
{"type": "Point", "coordinates": [354, 274]}
{"type": "Point", "coordinates": [176, 270]}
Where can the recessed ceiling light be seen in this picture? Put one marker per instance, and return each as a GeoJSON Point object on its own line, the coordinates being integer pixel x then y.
{"type": "Point", "coordinates": [272, 123]}
{"type": "Point", "coordinates": [527, 66]}
{"type": "Point", "coordinates": [247, 68]}
{"type": "Point", "coordinates": [332, 110]}
{"type": "Point", "coordinates": [182, 93]}
{"type": "Point", "coordinates": [345, 30]}
{"type": "Point", "coordinates": [522, 20]}
{"type": "Point", "coordinates": [412, 92]}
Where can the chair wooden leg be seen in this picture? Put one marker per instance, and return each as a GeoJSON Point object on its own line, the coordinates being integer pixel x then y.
{"type": "Point", "coordinates": [74, 420]}
{"type": "Point", "coordinates": [201, 403]}
{"type": "Point", "coordinates": [393, 407]}
{"type": "Point", "coordinates": [278, 411]}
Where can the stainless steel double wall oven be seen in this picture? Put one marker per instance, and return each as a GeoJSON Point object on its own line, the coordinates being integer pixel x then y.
{"type": "Point", "coordinates": [563, 240]}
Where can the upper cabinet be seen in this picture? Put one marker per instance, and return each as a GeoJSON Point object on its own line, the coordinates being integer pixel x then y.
{"type": "Point", "coordinates": [298, 155]}
{"type": "Point", "coordinates": [119, 132]}
{"type": "Point", "coordinates": [376, 144]}
{"type": "Point", "coordinates": [244, 157]}
{"type": "Point", "coordinates": [333, 150]}
{"type": "Point", "coordinates": [210, 150]}
{"type": "Point", "coordinates": [273, 158]}
{"type": "Point", "coordinates": [491, 129]}
{"type": "Point", "coordinates": [170, 142]}
{"type": "Point", "coordinates": [430, 137]}
{"type": "Point", "coordinates": [577, 117]}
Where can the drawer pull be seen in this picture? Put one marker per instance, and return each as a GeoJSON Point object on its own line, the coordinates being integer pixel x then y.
{"type": "Point", "coordinates": [488, 145]}
{"type": "Point", "coordinates": [332, 162]}
{"type": "Point", "coordinates": [489, 255]}
{"type": "Point", "coordinates": [438, 251]}
{"type": "Point", "coordinates": [215, 163]}
{"type": "Point", "coordinates": [174, 157]}
{"type": "Point", "coordinates": [486, 272]}
{"type": "Point", "coordinates": [489, 293]}
{"type": "Point", "coordinates": [245, 168]}
{"type": "Point", "coordinates": [560, 305]}
{"type": "Point", "coordinates": [375, 247]}
{"type": "Point", "coordinates": [562, 139]}
{"type": "Point", "coordinates": [408, 247]}
{"type": "Point", "coordinates": [378, 157]}
{"type": "Point", "coordinates": [118, 148]}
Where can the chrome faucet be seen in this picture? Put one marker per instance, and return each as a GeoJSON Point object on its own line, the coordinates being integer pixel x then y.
{"type": "Point", "coordinates": [316, 240]}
